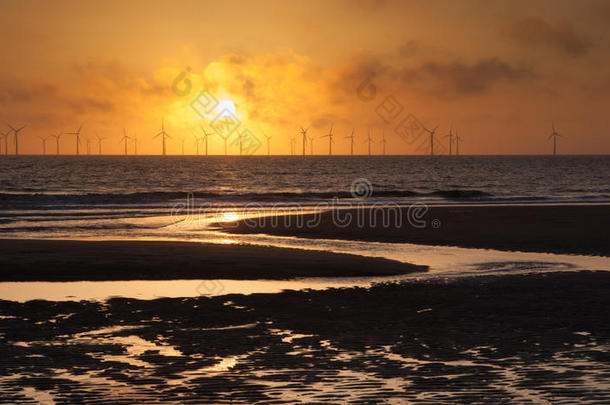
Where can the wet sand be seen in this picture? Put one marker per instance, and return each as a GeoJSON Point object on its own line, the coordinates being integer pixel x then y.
{"type": "Point", "coordinates": [66, 260]}
{"type": "Point", "coordinates": [554, 229]}
{"type": "Point", "coordinates": [512, 339]}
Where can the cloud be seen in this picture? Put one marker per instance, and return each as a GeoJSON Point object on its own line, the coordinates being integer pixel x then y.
{"type": "Point", "coordinates": [534, 31]}
{"type": "Point", "coordinates": [458, 78]}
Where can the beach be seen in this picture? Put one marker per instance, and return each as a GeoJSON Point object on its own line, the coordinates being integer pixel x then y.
{"type": "Point", "coordinates": [73, 260]}
{"type": "Point", "coordinates": [512, 339]}
{"type": "Point", "coordinates": [578, 229]}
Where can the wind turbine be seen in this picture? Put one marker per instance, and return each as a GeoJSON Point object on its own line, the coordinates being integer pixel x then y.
{"type": "Point", "coordinates": [182, 141]}
{"type": "Point", "coordinates": [205, 138]}
{"type": "Point", "coordinates": [135, 144]}
{"type": "Point", "coordinates": [44, 143]}
{"type": "Point", "coordinates": [431, 139]}
{"type": "Point", "coordinates": [197, 140]}
{"type": "Point", "coordinates": [457, 143]}
{"type": "Point", "coordinates": [124, 139]}
{"type": "Point", "coordinates": [268, 143]}
{"type": "Point", "coordinates": [292, 145]}
{"type": "Point", "coordinates": [304, 134]}
{"type": "Point", "coordinates": [240, 136]}
{"type": "Point", "coordinates": [311, 138]}
{"type": "Point", "coordinates": [351, 138]}
{"type": "Point", "coordinates": [163, 135]}
{"type": "Point", "coordinates": [99, 144]}
{"type": "Point", "coordinates": [383, 141]}
{"type": "Point", "coordinates": [369, 140]}
{"type": "Point", "coordinates": [554, 135]}
{"type": "Point", "coordinates": [6, 135]}
{"type": "Point", "coordinates": [88, 141]}
{"type": "Point", "coordinates": [330, 140]}
{"type": "Point", "coordinates": [57, 142]}
{"type": "Point", "coordinates": [450, 136]}
{"type": "Point", "coordinates": [77, 133]}
{"type": "Point", "coordinates": [16, 133]}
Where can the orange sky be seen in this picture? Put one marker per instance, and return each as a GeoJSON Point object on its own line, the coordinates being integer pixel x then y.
{"type": "Point", "coordinates": [499, 71]}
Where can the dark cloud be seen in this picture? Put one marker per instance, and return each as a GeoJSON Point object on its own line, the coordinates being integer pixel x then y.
{"type": "Point", "coordinates": [458, 78]}
{"type": "Point", "coordinates": [535, 31]}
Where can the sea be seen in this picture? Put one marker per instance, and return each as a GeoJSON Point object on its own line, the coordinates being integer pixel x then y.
{"type": "Point", "coordinates": [105, 196]}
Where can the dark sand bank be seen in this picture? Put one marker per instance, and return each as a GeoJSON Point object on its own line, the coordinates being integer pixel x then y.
{"type": "Point", "coordinates": [65, 260]}
{"type": "Point", "coordinates": [559, 229]}
{"type": "Point", "coordinates": [513, 339]}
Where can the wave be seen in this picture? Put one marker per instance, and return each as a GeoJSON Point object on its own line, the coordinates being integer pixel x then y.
{"type": "Point", "coordinates": [164, 196]}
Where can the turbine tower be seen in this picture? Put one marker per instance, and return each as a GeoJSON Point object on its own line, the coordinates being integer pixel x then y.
{"type": "Point", "coordinates": [135, 144]}
{"type": "Point", "coordinates": [6, 135]}
{"type": "Point", "coordinates": [304, 134]}
{"type": "Point", "coordinates": [197, 140]}
{"type": "Point", "coordinates": [457, 143]}
{"type": "Point", "coordinates": [163, 135]}
{"type": "Point", "coordinates": [182, 141]}
{"type": "Point", "coordinates": [205, 138]}
{"type": "Point", "coordinates": [450, 136]}
{"type": "Point", "coordinates": [383, 141]}
{"type": "Point", "coordinates": [431, 139]}
{"type": "Point", "coordinates": [57, 142]}
{"type": "Point", "coordinates": [44, 143]}
{"type": "Point", "coordinates": [351, 138]}
{"type": "Point", "coordinates": [88, 141]}
{"type": "Point", "coordinates": [124, 139]}
{"type": "Point", "coordinates": [369, 140]}
{"type": "Point", "coordinates": [330, 140]}
{"type": "Point", "coordinates": [16, 133]}
{"type": "Point", "coordinates": [268, 143]}
{"type": "Point", "coordinates": [77, 133]}
{"type": "Point", "coordinates": [292, 145]}
{"type": "Point", "coordinates": [554, 135]}
{"type": "Point", "coordinates": [99, 144]}
{"type": "Point", "coordinates": [311, 138]}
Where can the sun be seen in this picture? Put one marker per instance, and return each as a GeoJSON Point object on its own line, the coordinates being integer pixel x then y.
{"type": "Point", "coordinates": [226, 105]}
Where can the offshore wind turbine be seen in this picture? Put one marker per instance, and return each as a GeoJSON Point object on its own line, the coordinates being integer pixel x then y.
{"type": "Point", "coordinates": [383, 141]}
{"type": "Point", "coordinates": [124, 139]}
{"type": "Point", "coordinates": [44, 143]}
{"type": "Point", "coordinates": [197, 140]}
{"type": "Point", "coordinates": [182, 141]}
{"type": "Point", "coordinates": [330, 140]}
{"type": "Point", "coordinates": [16, 133]}
{"type": "Point", "coordinates": [99, 144]}
{"type": "Point", "coordinates": [450, 136]}
{"type": "Point", "coordinates": [163, 135]}
{"type": "Point", "coordinates": [77, 133]}
{"type": "Point", "coordinates": [292, 145]}
{"type": "Point", "coordinates": [6, 135]}
{"type": "Point", "coordinates": [57, 142]}
{"type": "Point", "coordinates": [268, 143]}
{"type": "Point", "coordinates": [554, 135]}
{"type": "Point", "coordinates": [304, 135]}
{"type": "Point", "coordinates": [351, 138]}
{"type": "Point", "coordinates": [431, 132]}
{"type": "Point", "coordinates": [457, 143]}
{"type": "Point", "coordinates": [205, 138]}
{"type": "Point", "coordinates": [369, 140]}
{"type": "Point", "coordinates": [135, 144]}
{"type": "Point", "coordinates": [311, 138]}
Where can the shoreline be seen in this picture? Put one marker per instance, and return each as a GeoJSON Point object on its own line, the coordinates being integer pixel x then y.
{"type": "Point", "coordinates": [78, 260]}
{"type": "Point", "coordinates": [517, 338]}
{"type": "Point", "coordinates": [564, 229]}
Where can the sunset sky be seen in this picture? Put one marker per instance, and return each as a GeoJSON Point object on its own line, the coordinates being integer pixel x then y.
{"type": "Point", "coordinates": [499, 71]}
